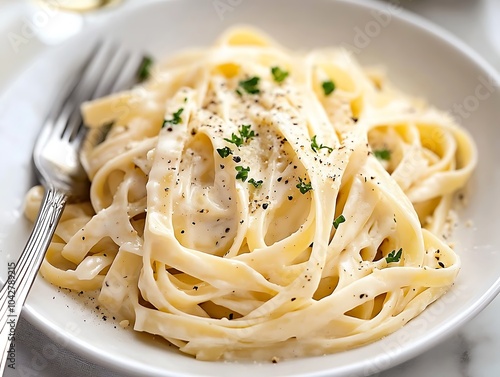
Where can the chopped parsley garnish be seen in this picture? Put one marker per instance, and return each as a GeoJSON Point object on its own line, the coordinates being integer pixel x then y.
{"type": "Point", "coordinates": [394, 256]}
{"type": "Point", "coordinates": [279, 75]}
{"type": "Point", "coordinates": [224, 152]}
{"type": "Point", "coordinates": [145, 68]}
{"type": "Point", "coordinates": [255, 183]}
{"type": "Point", "coordinates": [245, 135]}
{"type": "Point", "coordinates": [339, 220]}
{"type": "Point", "coordinates": [250, 86]}
{"type": "Point", "coordinates": [242, 172]}
{"type": "Point", "coordinates": [235, 139]}
{"type": "Point", "coordinates": [383, 154]}
{"type": "Point", "coordinates": [328, 87]}
{"type": "Point", "coordinates": [315, 147]}
{"type": "Point", "coordinates": [176, 118]}
{"type": "Point", "coordinates": [303, 187]}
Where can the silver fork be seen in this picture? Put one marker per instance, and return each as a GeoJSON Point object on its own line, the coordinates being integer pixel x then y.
{"type": "Point", "coordinates": [56, 160]}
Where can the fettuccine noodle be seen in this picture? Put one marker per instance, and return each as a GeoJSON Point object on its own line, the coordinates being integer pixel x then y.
{"type": "Point", "coordinates": [251, 202]}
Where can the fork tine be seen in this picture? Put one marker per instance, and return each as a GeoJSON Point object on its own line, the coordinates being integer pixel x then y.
{"type": "Point", "coordinates": [112, 73]}
{"type": "Point", "coordinates": [108, 69]}
{"type": "Point", "coordinates": [104, 85]}
{"type": "Point", "coordinates": [68, 95]}
{"type": "Point", "coordinates": [50, 122]}
{"type": "Point", "coordinates": [65, 94]}
{"type": "Point", "coordinates": [70, 117]}
{"type": "Point", "coordinates": [129, 76]}
{"type": "Point", "coordinates": [120, 72]}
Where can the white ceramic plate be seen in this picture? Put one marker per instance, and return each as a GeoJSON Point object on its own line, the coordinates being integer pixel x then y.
{"type": "Point", "coordinates": [421, 59]}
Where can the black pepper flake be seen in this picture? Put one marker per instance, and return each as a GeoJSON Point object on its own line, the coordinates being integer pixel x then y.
{"type": "Point", "coordinates": [290, 197]}
{"type": "Point", "coordinates": [227, 230]}
{"type": "Point", "coordinates": [183, 231]}
{"type": "Point", "coordinates": [195, 287]}
{"type": "Point", "coordinates": [236, 158]}
{"type": "Point", "coordinates": [231, 316]}
{"type": "Point", "coordinates": [362, 295]}
{"type": "Point", "coordinates": [222, 166]}
{"type": "Point", "coordinates": [83, 238]}
{"type": "Point", "coordinates": [279, 179]}
{"type": "Point", "coordinates": [106, 283]}
{"type": "Point", "coordinates": [104, 318]}
{"type": "Point", "coordinates": [293, 299]}
{"type": "Point", "coordinates": [441, 264]}
{"type": "Point", "coordinates": [265, 205]}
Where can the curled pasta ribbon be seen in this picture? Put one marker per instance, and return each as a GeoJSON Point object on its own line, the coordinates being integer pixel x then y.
{"type": "Point", "coordinates": [251, 202]}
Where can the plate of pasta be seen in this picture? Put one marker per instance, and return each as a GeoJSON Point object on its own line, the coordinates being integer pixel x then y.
{"type": "Point", "coordinates": [282, 195]}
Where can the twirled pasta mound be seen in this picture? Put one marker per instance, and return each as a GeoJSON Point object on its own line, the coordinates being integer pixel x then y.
{"type": "Point", "coordinates": [251, 202]}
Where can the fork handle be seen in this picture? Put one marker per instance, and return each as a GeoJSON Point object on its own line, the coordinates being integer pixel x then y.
{"type": "Point", "coordinates": [22, 274]}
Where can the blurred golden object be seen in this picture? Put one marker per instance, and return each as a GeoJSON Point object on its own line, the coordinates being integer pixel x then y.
{"type": "Point", "coordinates": [78, 5]}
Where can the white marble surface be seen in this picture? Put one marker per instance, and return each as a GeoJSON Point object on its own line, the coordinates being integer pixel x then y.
{"type": "Point", "coordinates": [472, 352]}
